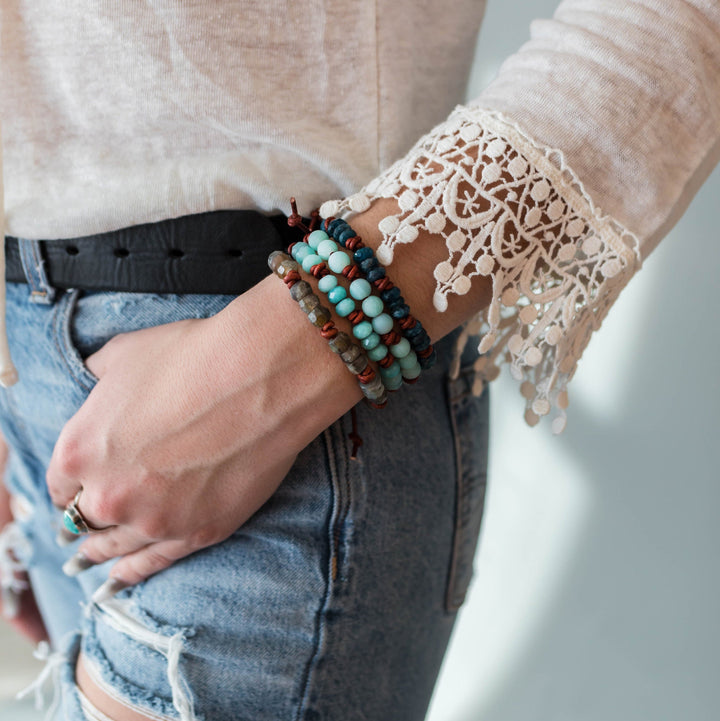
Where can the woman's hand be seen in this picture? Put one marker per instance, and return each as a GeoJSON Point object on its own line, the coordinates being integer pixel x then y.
{"type": "Point", "coordinates": [191, 428]}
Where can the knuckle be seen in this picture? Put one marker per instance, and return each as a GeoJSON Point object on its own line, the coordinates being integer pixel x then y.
{"type": "Point", "coordinates": [69, 456]}
{"type": "Point", "coordinates": [203, 537]}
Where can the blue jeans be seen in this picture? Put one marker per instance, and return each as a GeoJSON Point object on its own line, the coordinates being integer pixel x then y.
{"type": "Point", "coordinates": [333, 602]}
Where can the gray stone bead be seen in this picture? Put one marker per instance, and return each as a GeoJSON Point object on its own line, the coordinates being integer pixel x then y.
{"type": "Point", "coordinates": [276, 258]}
{"type": "Point", "coordinates": [340, 343]}
{"type": "Point", "coordinates": [358, 365]}
{"type": "Point", "coordinates": [319, 316]}
{"type": "Point", "coordinates": [374, 391]}
{"type": "Point", "coordinates": [351, 353]}
{"type": "Point", "coordinates": [300, 290]}
{"type": "Point", "coordinates": [309, 302]}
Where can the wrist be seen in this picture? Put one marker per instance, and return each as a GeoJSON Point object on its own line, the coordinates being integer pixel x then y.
{"type": "Point", "coordinates": [305, 386]}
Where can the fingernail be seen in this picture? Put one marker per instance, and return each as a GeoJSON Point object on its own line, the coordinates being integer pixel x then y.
{"type": "Point", "coordinates": [65, 538]}
{"type": "Point", "coordinates": [77, 564]}
{"type": "Point", "coordinates": [108, 590]}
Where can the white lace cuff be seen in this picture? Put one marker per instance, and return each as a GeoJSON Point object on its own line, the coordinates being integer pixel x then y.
{"type": "Point", "coordinates": [511, 210]}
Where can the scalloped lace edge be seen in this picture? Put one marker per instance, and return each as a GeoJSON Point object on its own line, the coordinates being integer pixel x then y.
{"type": "Point", "coordinates": [511, 210]}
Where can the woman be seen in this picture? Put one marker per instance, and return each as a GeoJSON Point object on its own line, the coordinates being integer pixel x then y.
{"type": "Point", "coordinates": [346, 555]}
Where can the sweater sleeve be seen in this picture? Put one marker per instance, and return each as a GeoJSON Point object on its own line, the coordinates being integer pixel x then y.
{"type": "Point", "coordinates": [561, 177]}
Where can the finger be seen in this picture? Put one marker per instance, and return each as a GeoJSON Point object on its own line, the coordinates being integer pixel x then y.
{"type": "Point", "coordinates": [135, 567]}
{"type": "Point", "coordinates": [113, 543]}
{"type": "Point", "coordinates": [139, 566]}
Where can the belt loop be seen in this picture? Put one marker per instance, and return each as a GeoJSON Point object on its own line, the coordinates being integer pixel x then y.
{"type": "Point", "coordinates": [34, 266]}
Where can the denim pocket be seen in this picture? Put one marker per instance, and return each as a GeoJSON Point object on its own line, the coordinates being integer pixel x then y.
{"type": "Point", "coordinates": [64, 333]}
{"type": "Point", "coordinates": [469, 415]}
{"type": "Point", "coordinates": [85, 321]}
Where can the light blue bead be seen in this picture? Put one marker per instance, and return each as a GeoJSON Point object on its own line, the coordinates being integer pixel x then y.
{"type": "Point", "coordinates": [316, 237]}
{"type": "Point", "coordinates": [378, 352]}
{"type": "Point", "coordinates": [373, 306]}
{"type": "Point", "coordinates": [360, 289]}
{"type": "Point", "coordinates": [390, 372]}
{"type": "Point", "coordinates": [372, 341]}
{"type": "Point", "coordinates": [300, 251]}
{"type": "Point", "coordinates": [337, 294]}
{"type": "Point", "coordinates": [409, 360]}
{"type": "Point", "coordinates": [327, 283]}
{"type": "Point", "coordinates": [309, 261]}
{"type": "Point", "coordinates": [326, 248]}
{"type": "Point", "coordinates": [392, 384]}
{"type": "Point", "coordinates": [345, 307]}
{"type": "Point", "coordinates": [363, 330]}
{"type": "Point", "coordinates": [412, 372]}
{"type": "Point", "coordinates": [382, 324]}
{"type": "Point", "coordinates": [338, 261]}
{"type": "Point", "coordinates": [401, 349]}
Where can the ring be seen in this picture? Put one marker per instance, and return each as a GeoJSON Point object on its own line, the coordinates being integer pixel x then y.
{"type": "Point", "coordinates": [73, 520]}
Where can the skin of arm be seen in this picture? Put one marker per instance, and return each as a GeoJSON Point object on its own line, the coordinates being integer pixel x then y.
{"type": "Point", "coordinates": [194, 424]}
{"type": "Point", "coordinates": [27, 621]}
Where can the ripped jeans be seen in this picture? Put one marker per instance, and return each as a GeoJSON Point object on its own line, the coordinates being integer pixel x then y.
{"type": "Point", "coordinates": [334, 602]}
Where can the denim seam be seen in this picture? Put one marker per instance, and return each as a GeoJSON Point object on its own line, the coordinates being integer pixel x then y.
{"type": "Point", "coordinates": [61, 319]}
{"type": "Point", "coordinates": [337, 518]}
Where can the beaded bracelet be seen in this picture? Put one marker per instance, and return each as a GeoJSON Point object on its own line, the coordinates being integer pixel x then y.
{"type": "Point", "coordinates": [375, 273]}
{"type": "Point", "coordinates": [371, 326]}
{"type": "Point", "coordinates": [355, 358]}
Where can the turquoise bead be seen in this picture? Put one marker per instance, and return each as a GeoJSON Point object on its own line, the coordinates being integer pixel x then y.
{"type": "Point", "coordinates": [401, 349]}
{"type": "Point", "coordinates": [345, 307]}
{"type": "Point", "coordinates": [382, 324]}
{"type": "Point", "coordinates": [316, 237]}
{"type": "Point", "coordinates": [326, 248]}
{"type": "Point", "coordinates": [390, 372]}
{"type": "Point", "coordinates": [371, 341]}
{"type": "Point", "coordinates": [327, 283]}
{"type": "Point", "coordinates": [309, 261]}
{"type": "Point", "coordinates": [373, 306]}
{"type": "Point", "coordinates": [300, 251]}
{"type": "Point", "coordinates": [338, 261]}
{"type": "Point", "coordinates": [412, 372]}
{"type": "Point", "coordinates": [360, 289]}
{"type": "Point", "coordinates": [378, 352]}
{"type": "Point", "coordinates": [363, 330]}
{"type": "Point", "coordinates": [409, 360]}
{"type": "Point", "coordinates": [392, 384]}
{"type": "Point", "coordinates": [337, 294]}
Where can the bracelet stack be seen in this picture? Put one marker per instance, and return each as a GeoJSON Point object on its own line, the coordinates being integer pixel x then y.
{"type": "Point", "coordinates": [336, 252]}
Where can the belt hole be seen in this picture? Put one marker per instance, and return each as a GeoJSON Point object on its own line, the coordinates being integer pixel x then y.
{"type": "Point", "coordinates": [121, 252]}
{"type": "Point", "coordinates": [235, 252]}
{"type": "Point", "coordinates": [71, 249]}
{"type": "Point", "coordinates": [176, 253]}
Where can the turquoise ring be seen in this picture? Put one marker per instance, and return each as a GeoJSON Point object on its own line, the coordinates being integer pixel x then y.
{"type": "Point", "coordinates": [73, 520]}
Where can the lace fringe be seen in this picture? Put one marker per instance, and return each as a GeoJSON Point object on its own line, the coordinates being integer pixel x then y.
{"type": "Point", "coordinates": [511, 210]}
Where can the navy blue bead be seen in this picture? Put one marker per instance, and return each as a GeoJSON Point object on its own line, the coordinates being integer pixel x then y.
{"type": "Point", "coordinates": [400, 312]}
{"type": "Point", "coordinates": [395, 303]}
{"type": "Point", "coordinates": [391, 295]}
{"type": "Point", "coordinates": [375, 274]}
{"type": "Point", "coordinates": [428, 362]}
{"type": "Point", "coordinates": [344, 235]}
{"type": "Point", "coordinates": [421, 345]}
{"type": "Point", "coordinates": [337, 226]}
{"type": "Point", "coordinates": [363, 254]}
{"type": "Point", "coordinates": [368, 264]}
{"type": "Point", "coordinates": [415, 332]}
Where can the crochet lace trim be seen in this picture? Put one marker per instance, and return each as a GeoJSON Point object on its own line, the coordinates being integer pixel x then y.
{"type": "Point", "coordinates": [509, 209]}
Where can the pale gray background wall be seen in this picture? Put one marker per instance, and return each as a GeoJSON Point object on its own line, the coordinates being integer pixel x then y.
{"type": "Point", "coordinates": [597, 583]}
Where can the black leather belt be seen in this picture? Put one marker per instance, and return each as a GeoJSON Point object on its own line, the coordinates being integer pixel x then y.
{"type": "Point", "coordinates": [222, 251]}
